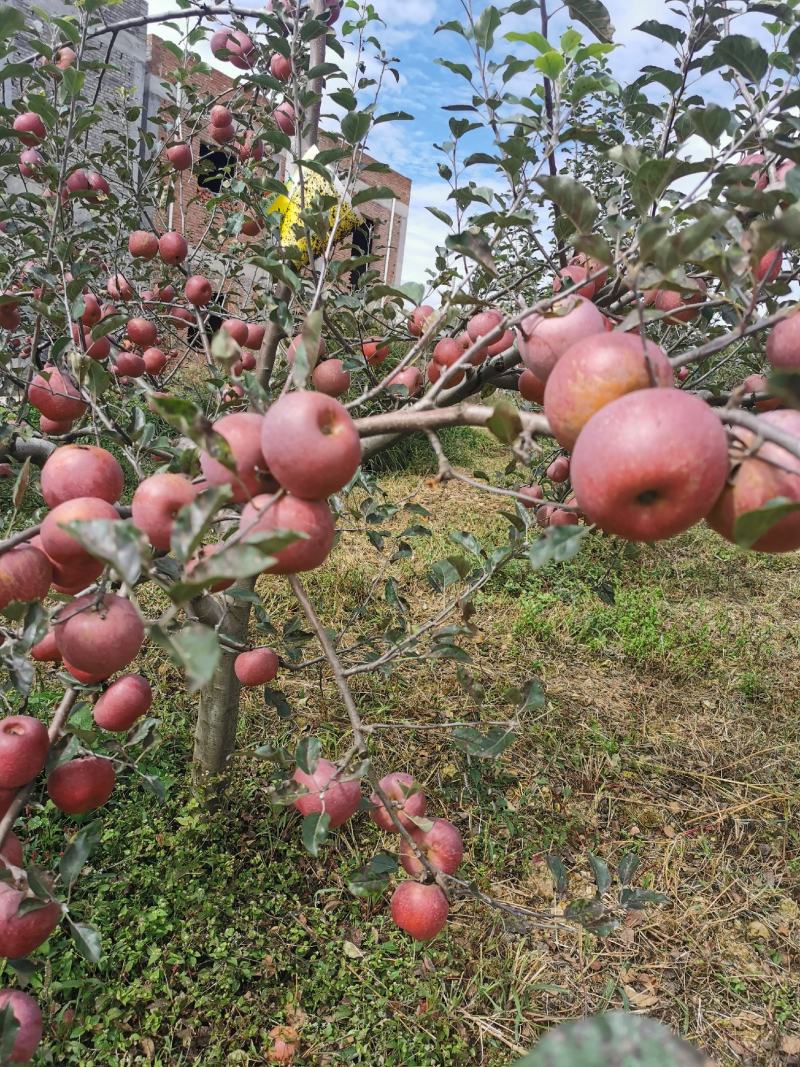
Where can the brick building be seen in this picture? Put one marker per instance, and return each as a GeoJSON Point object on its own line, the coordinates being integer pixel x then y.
{"type": "Point", "coordinates": [383, 232]}
{"type": "Point", "coordinates": [142, 69]}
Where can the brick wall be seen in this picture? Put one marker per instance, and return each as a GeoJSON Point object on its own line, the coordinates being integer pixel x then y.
{"type": "Point", "coordinates": [129, 57]}
{"type": "Point", "coordinates": [190, 213]}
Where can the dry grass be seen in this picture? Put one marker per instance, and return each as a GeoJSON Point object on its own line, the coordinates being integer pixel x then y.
{"type": "Point", "coordinates": [671, 730]}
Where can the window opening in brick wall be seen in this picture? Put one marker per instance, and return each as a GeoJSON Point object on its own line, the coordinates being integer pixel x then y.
{"type": "Point", "coordinates": [363, 237]}
{"type": "Point", "coordinates": [214, 167]}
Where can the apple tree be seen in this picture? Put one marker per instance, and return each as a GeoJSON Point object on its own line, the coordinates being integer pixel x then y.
{"type": "Point", "coordinates": [614, 301]}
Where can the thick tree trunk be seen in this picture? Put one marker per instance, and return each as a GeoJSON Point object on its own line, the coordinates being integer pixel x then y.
{"type": "Point", "coordinates": [218, 715]}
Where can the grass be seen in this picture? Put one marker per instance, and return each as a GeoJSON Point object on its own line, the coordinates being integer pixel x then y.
{"type": "Point", "coordinates": [671, 730]}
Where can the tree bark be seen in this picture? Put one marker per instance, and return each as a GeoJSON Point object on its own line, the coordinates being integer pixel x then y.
{"type": "Point", "coordinates": [218, 714]}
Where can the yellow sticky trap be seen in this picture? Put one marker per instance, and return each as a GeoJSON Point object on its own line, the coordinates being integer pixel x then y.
{"type": "Point", "coordinates": [342, 215]}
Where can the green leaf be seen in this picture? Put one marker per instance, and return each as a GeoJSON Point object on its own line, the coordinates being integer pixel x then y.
{"type": "Point", "coordinates": [574, 199]}
{"type": "Point", "coordinates": [533, 696]}
{"type": "Point", "coordinates": [601, 873]}
{"type": "Point", "coordinates": [486, 26]}
{"type": "Point", "coordinates": [195, 648]}
{"type": "Point", "coordinates": [371, 879]}
{"type": "Point", "coordinates": [594, 16]}
{"type": "Point", "coordinates": [12, 22]}
{"type": "Point", "coordinates": [485, 746]}
{"type": "Point", "coordinates": [87, 940]}
{"type": "Point", "coordinates": [505, 423]}
{"type": "Point", "coordinates": [315, 830]}
{"type": "Point", "coordinates": [9, 1027]}
{"type": "Point", "coordinates": [187, 418]}
{"type": "Point", "coordinates": [557, 545]}
{"type": "Point", "coordinates": [355, 126]}
{"type": "Point", "coordinates": [475, 246]}
{"type": "Point", "coordinates": [616, 1039]}
{"type": "Point", "coordinates": [628, 866]}
{"type": "Point", "coordinates": [79, 850]}
{"type": "Point", "coordinates": [193, 521]}
{"type": "Point", "coordinates": [664, 32]}
{"type": "Point", "coordinates": [751, 526]}
{"type": "Point", "coordinates": [744, 54]}
{"type": "Point", "coordinates": [639, 899]}
{"type": "Point", "coordinates": [533, 38]}
{"type": "Point", "coordinates": [559, 872]}
{"type": "Point", "coordinates": [592, 915]}
{"type": "Point", "coordinates": [374, 192]}
{"type": "Point", "coordinates": [785, 384]}
{"type": "Point", "coordinates": [551, 64]}
{"type": "Point", "coordinates": [119, 543]}
{"type": "Point", "coordinates": [307, 754]}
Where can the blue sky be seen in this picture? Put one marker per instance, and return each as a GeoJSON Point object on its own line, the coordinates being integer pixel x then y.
{"type": "Point", "coordinates": [424, 87]}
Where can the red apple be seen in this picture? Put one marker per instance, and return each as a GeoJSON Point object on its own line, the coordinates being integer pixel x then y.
{"type": "Point", "coordinates": [441, 845]}
{"type": "Point", "coordinates": [81, 470]}
{"type": "Point", "coordinates": [280, 67]}
{"type": "Point", "coordinates": [98, 185]}
{"type": "Point", "coordinates": [374, 351]}
{"type": "Point", "coordinates": [180, 156]}
{"type": "Point", "coordinates": [81, 785]}
{"type": "Point", "coordinates": [331, 378]}
{"type": "Point", "coordinates": [236, 329]}
{"type": "Point", "coordinates": [24, 745]}
{"type": "Point", "coordinates": [558, 471]}
{"type": "Point", "coordinates": [198, 290]}
{"type": "Point", "coordinates": [595, 371]}
{"type": "Point", "coordinates": [668, 300]}
{"type": "Point", "coordinates": [93, 632]}
{"type": "Point", "coordinates": [409, 801]}
{"type": "Point", "coordinates": [11, 851]}
{"type": "Point", "coordinates": [255, 336]}
{"type": "Point", "coordinates": [285, 118]}
{"type": "Point", "coordinates": [575, 275]}
{"type": "Point", "coordinates": [339, 799]}
{"type": "Point", "coordinates": [310, 517]}
{"type": "Point", "coordinates": [410, 378]}
{"type": "Point", "coordinates": [28, 1017]}
{"type": "Point", "coordinates": [530, 387]}
{"type": "Point", "coordinates": [220, 116]}
{"type": "Point", "coordinates": [769, 267]}
{"type": "Point", "coordinates": [256, 667]}
{"type": "Point", "coordinates": [156, 502]}
{"type": "Point", "coordinates": [59, 545]}
{"type": "Point", "coordinates": [55, 396]}
{"type": "Point", "coordinates": [766, 471]}
{"type": "Point", "coordinates": [251, 148]}
{"type": "Point", "coordinates": [143, 245]}
{"type": "Point", "coordinates": [242, 430]}
{"type": "Point", "coordinates": [757, 383]}
{"type": "Point", "coordinates": [46, 650]}
{"type": "Point", "coordinates": [433, 372]}
{"type": "Point", "coordinates": [125, 701]}
{"type": "Point", "coordinates": [53, 428]}
{"type": "Point", "coordinates": [483, 323]}
{"type": "Point", "coordinates": [222, 134]}
{"type": "Point", "coordinates": [29, 162]}
{"type": "Point", "coordinates": [533, 495]}
{"type": "Point", "coordinates": [783, 344]}
{"type": "Point", "coordinates": [129, 365]}
{"type": "Point", "coordinates": [118, 288]}
{"type": "Point", "coordinates": [650, 464]}
{"type": "Point", "coordinates": [154, 360]}
{"type": "Point", "coordinates": [22, 932]}
{"type": "Point", "coordinates": [29, 128]}
{"type": "Point", "coordinates": [310, 444]}
{"type": "Point", "coordinates": [447, 351]}
{"type": "Point", "coordinates": [142, 332]}
{"type": "Point", "coordinates": [173, 248]}
{"type": "Point", "coordinates": [25, 575]}
{"type": "Point", "coordinates": [419, 320]}
{"type": "Point", "coordinates": [420, 910]}
{"type": "Point", "coordinates": [543, 339]}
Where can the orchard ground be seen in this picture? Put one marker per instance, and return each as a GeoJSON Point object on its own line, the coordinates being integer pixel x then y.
{"type": "Point", "coordinates": [670, 731]}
